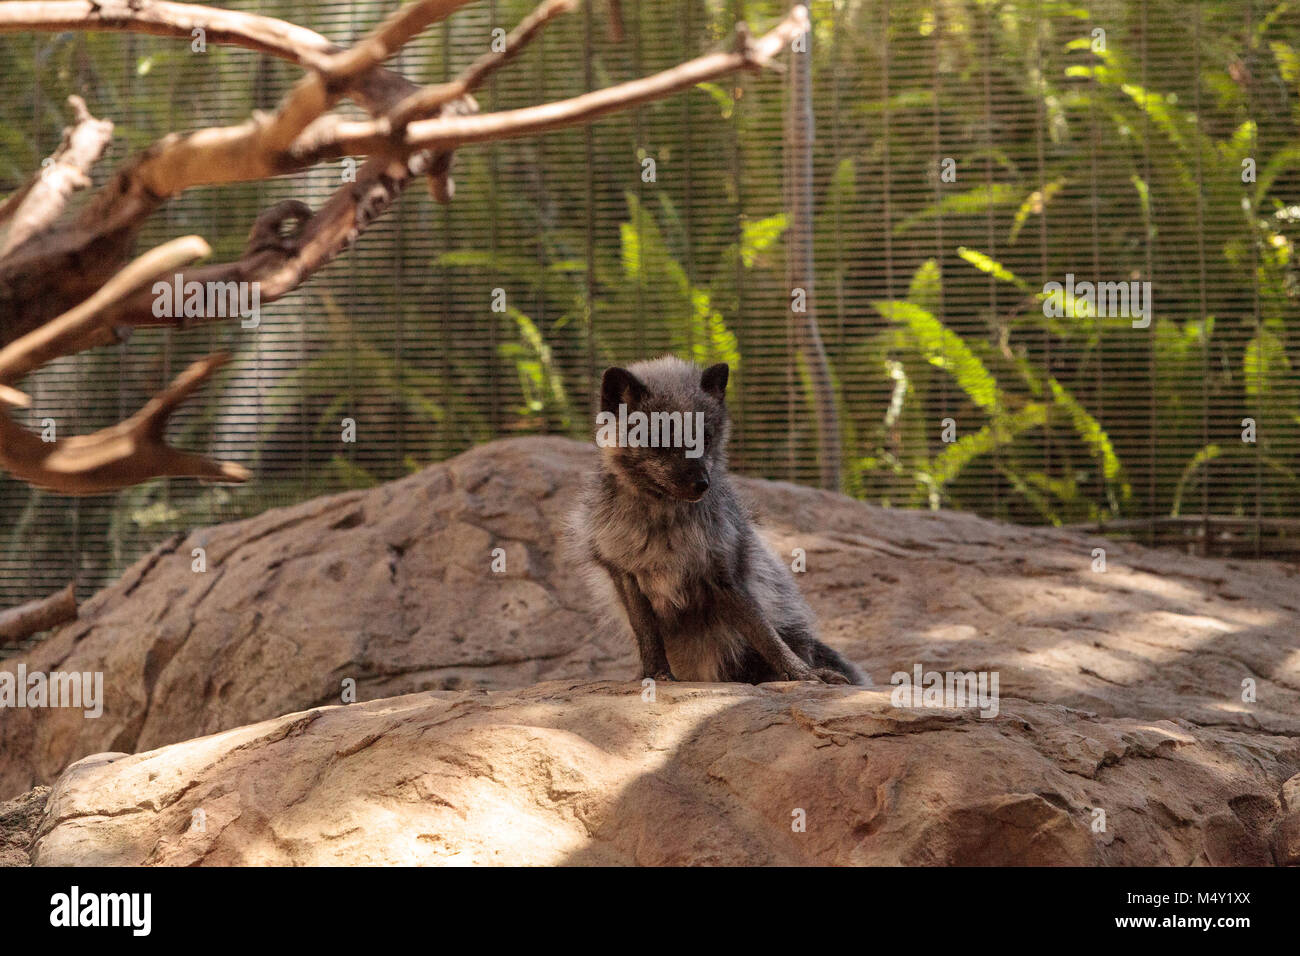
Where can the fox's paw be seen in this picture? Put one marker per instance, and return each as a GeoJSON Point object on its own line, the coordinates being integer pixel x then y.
{"type": "Point", "coordinates": [659, 676]}
{"type": "Point", "coordinates": [798, 673]}
{"type": "Point", "coordinates": [831, 676]}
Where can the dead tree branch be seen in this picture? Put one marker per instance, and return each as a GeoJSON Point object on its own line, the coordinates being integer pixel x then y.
{"type": "Point", "coordinates": [67, 288]}
{"type": "Point", "coordinates": [231, 27]}
{"type": "Point", "coordinates": [374, 91]}
{"type": "Point", "coordinates": [427, 101]}
{"type": "Point", "coordinates": [98, 242]}
{"type": "Point", "coordinates": [132, 451]}
{"type": "Point", "coordinates": [21, 622]}
{"type": "Point", "coordinates": [38, 204]}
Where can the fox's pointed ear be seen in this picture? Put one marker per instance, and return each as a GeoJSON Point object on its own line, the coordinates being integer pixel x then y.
{"type": "Point", "coordinates": [619, 387]}
{"type": "Point", "coordinates": [714, 380]}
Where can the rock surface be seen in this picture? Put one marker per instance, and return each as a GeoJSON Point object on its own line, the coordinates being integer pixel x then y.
{"type": "Point", "coordinates": [592, 773]}
{"type": "Point", "coordinates": [19, 819]}
{"type": "Point", "coordinates": [393, 588]}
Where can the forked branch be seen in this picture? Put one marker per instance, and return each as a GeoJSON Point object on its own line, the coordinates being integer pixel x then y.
{"type": "Point", "coordinates": [67, 288]}
{"type": "Point", "coordinates": [132, 451]}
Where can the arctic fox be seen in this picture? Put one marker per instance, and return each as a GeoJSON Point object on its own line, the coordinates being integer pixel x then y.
{"type": "Point", "coordinates": [664, 539]}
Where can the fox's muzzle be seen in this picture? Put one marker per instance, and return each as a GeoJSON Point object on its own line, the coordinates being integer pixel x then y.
{"type": "Point", "coordinates": [692, 485]}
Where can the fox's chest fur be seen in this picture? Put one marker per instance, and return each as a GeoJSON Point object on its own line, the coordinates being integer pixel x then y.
{"type": "Point", "coordinates": [677, 561]}
{"type": "Point", "coordinates": [665, 558]}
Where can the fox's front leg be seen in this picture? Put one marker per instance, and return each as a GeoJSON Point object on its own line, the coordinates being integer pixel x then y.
{"type": "Point", "coordinates": [649, 639]}
{"type": "Point", "coordinates": [747, 617]}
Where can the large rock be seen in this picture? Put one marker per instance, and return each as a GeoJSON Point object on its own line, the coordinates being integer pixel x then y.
{"type": "Point", "coordinates": [592, 773]}
{"type": "Point", "coordinates": [19, 820]}
{"type": "Point", "coordinates": [390, 587]}
{"type": "Point", "coordinates": [393, 588]}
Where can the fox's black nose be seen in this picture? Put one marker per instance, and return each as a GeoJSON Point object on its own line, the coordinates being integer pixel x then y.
{"type": "Point", "coordinates": [701, 485]}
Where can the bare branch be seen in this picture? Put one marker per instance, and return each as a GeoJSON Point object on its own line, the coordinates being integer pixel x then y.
{"type": "Point", "coordinates": [426, 101]}
{"type": "Point", "coordinates": [66, 334]}
{"type": "Point", "coordinates": [252, 150]}
{"type": "Point", "coordinates": [336, 225]}
{"type": "Point", "coordinates": [230, 27]}
{"type": "Point", "coordinates": [390, 36]}
{"type": "Point", "coordinates": [14, 398]}
{"type": "Point", "coordinates": [380, 181]}
{"type": "Point", "coordinates": [259, 148]}
{"type": "Point", "coordinates": [282, 265]}
{"type": "Point", "coordinates": [454, 98]}
{"type": "Point", "coordinates": [47, 275]}
{"type": "Point", "coordinates": [232, 154]}
{"type": "Point", "coordinates": [90, 251]}
{"type": "Point", "coordinates": [127, 454]}
{"type": "Point", "coordinates": [412, 133]}
{"type": "Point", "coordinates": [132, 451]}
{"type": "Point", "coordinates": [15, 199]}
{"type": "Point", "coordinates": [317, 92]}
{"type": "Point", "coordinates": [375, 91]}
{"type": "Point", "coordinates": [330, 138]}
{"type": "Point", "coordinates": [66, 171]}
{"type": "Point", "coordinates": [21, 622]}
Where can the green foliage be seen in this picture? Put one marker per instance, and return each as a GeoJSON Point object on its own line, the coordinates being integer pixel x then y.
{"type": "Point", "coordinates": [1011, 411]}
{"type": "Point", "coordinates": [540, 381]}
{"type": "Point", "coordinates": [943, 349]}
{"type": "Point", "coordinates": [1119, 163]}
{"type": "Point", "coordinates": [1073, 413]}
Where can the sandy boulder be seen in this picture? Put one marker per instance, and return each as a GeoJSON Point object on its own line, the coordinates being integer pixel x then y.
{"type": "Point", "coordinates": [393, 588]}
{"type": "Point", "coordinates": [593, 772]}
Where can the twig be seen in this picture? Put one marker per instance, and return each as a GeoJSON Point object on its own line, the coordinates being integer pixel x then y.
{"type": "Point", "coordinates": [427, 100]}
{"type": "Point", "coordinates": [331, 139]}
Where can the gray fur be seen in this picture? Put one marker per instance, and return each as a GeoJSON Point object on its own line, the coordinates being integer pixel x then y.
{"type": "Point", "coordinates": [703, 595]}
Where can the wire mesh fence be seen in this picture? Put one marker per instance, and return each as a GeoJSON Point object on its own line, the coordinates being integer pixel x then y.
{"type": "Point", "coordinates": [1053, 248]}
